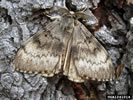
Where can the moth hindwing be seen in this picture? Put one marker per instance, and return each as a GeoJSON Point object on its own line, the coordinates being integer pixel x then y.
{"type": "Point", "coordinates": [67, 47]}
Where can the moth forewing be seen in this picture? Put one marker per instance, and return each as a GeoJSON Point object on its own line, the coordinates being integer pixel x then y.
{"type": "Point", "coordinates": [41, 53]}
{"type": "Point", "coordinates": [89, 60]}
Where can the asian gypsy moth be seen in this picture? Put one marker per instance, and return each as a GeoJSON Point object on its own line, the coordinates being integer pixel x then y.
{"type": "Point", "coordinates": [66, 46]}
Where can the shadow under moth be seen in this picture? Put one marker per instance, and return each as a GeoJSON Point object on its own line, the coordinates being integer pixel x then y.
{"type": "Point", "coordinates": [65, 46]}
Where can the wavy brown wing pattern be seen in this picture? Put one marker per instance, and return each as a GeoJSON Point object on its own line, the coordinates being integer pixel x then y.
{"type": "Point", "coordinates": [42, 52]}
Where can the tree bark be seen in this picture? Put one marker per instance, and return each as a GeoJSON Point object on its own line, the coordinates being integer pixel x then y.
{"type": "Point", "coordinates": [110, 21]}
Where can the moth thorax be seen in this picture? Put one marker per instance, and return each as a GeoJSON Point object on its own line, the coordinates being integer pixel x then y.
{"type": "Point", "coordinates": [67, 23]}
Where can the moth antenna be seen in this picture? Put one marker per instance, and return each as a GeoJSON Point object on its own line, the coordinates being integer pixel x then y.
{"type": "Point", "coordinates": [60, 10]}
{"type": "Point", "coordinates": [84, 9]}
{"type": "Point", "coordinates": [81, 15]}
{"type": "Point", "coordinates": [53, 17]}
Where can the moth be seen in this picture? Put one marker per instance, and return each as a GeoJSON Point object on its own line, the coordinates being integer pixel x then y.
{"type": "Point", "coordinates": [65, 46]}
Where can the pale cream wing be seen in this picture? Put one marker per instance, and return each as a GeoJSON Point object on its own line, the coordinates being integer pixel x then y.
{"type": "Point", "coordinates": [42, 52]}
{"type": "Point", "coordinates": [89, 59]}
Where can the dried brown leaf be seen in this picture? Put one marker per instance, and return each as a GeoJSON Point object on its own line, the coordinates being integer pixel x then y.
{"type": "Point", "coordinates": [119, 70]}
